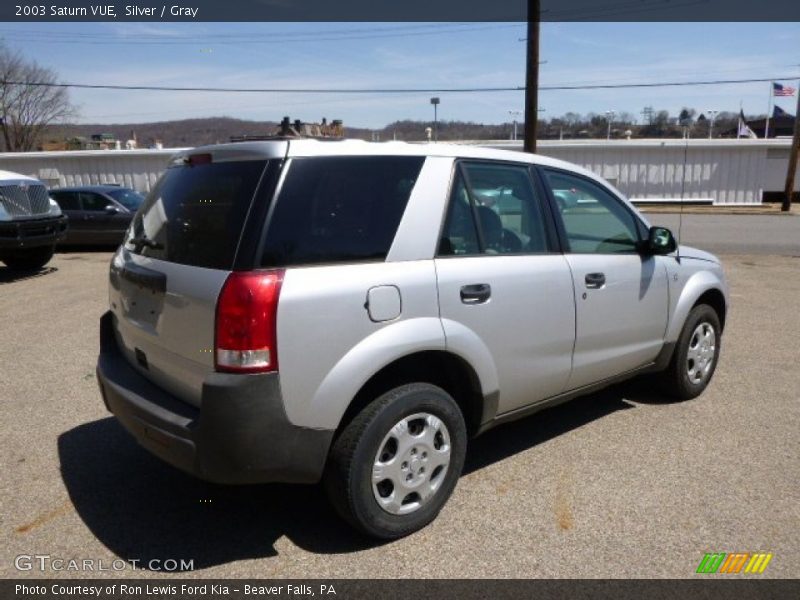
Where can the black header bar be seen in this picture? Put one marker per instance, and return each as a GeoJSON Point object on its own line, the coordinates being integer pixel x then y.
{"type": "Point", "coordinates": [394, 11]}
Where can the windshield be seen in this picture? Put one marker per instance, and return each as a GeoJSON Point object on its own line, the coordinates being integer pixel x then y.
{"type": "Point", "coordinates": [130, 199]}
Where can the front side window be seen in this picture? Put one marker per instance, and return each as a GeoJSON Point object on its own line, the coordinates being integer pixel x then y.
{"type": "Point", "coordinates": [595, 221]}
{"type": "Point", "coordinates": [94, 202]}
{"type": "Point", "coordinates": [130, 199]}
{"type": "Point", "coordinates": [339, 209]}
{"type": "Point", "coordinates": [493, 210]}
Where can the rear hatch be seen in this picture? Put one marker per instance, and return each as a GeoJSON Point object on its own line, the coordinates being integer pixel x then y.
{"type": "Point", "coordinates": [200, 222]}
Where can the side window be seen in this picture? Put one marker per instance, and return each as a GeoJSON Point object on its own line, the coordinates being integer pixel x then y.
{"type": "Point", "coordinates": [493, 210]}
{"type": "Point", "coordinates": [339, 209]}
{"type": "Point", "coordinates": [66, 200]}
{"type": "Point", "coordinates": [460, 235]}
{"type": "Point", "coordinates": [94, 202]}
{"type": "Point", "coordinates": [596, 222]}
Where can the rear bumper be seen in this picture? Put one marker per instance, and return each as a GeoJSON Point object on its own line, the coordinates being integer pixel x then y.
{"type": "Point", "coordinates": [240, 435]}
{"type": "Point", "coordinates": [28, 233]}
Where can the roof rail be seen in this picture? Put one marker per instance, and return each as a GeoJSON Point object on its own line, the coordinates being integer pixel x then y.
{"type": "Point", "coordinates": [283, 138]}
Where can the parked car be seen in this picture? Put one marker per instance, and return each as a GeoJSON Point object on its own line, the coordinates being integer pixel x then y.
{"type": "Point", "coordinates": [30, 222]}
{"type": "Point", "coordinates": [300, 311]}
{"type": "Point", "coordinates": [98, 214]}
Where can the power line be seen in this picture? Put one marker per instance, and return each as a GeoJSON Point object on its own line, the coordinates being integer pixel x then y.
{"type": "Point", "coordinates": [662, 84]}
{"type": "Point", "coordinates": [272, 38]}
{"type": "Point", "coordinates": [159, 88]}
{"type": "Point", "coordinates": [260, 33]}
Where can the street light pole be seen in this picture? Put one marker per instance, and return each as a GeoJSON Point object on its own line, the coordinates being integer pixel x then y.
{"type": "Point", "coordinates": [712, 114]}
{"type": "Point", "coordinates": [435, 102]}
{"type": "Point", "coordinates": [514, 115]}
{"type": "Point", "coordinates": [609, 117]}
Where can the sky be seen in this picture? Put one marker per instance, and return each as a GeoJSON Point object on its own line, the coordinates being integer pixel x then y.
{"type": "Point", "coordinates": [398, 55]}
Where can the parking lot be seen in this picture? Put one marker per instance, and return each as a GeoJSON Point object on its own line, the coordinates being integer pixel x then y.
{"type": "Point", "coordinates": [617, 484]}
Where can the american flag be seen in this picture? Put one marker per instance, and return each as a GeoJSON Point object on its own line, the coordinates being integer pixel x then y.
{"type": "Point", "coordinates": [781, 90]}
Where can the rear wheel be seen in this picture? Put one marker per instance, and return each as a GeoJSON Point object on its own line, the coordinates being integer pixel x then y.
{"type": "Point", "coordinates": [28, 259]}
{"type": "Point", "coordinates": [696, 354]}
{"type": "Point", "coordinates": [394, 466]}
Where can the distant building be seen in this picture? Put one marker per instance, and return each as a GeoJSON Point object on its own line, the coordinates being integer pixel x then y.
{"type": "Point", "coordinates": [97, 141]}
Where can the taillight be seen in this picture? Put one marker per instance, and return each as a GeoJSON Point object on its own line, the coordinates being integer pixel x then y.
{"type": "Point", "coordinates": [246, 329]}
{"type": "Point", "coordinates": [199, 159]}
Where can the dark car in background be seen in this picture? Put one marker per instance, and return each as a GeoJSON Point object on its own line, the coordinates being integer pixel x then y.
{"type": "Point", "coordinates": [98, 214]}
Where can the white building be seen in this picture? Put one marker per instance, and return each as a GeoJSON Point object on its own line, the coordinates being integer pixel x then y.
{"type": "Point", "coordinates": [723, 171]}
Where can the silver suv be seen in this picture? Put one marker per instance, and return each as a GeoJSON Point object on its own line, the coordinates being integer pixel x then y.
{"type": "Point", "coordinates": [353, 313]}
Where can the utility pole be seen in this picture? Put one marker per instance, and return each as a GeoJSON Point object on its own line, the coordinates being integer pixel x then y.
{"type": "Point", "coordinates": [532, 77]}
{"type": "Point", "coordinates": [790, 173]}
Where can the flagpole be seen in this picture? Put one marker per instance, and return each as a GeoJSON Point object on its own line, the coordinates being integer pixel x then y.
{"type": "Point", "coordinates": [739, 128]}
{"type": "Point", "coordinates": [769, 110]}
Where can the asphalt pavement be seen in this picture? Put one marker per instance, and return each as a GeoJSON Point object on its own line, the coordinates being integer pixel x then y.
{"type": "Point", "coordinates": [777, 234]}
{"type": "Point", "coordinates": [617, 484]}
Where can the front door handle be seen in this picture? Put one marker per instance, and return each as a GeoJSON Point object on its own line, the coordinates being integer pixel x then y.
{"type": "Point", "coordinates": [476, 293]}
{"type": "Point", "coordinates": [595, 280]}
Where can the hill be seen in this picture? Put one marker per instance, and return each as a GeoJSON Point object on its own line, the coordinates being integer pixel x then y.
{"type": "Point", "coordinates": [196, 132]}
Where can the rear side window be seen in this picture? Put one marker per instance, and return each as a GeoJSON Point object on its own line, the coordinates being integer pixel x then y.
{"type": "Point", "coordinates": [195, 213]}
{"type": "Point", "coordinates": [66, 200]}
{"type": "Point", "coordinates": [339, 209]}
{"type": "Point", "coordinates": [494, 209]}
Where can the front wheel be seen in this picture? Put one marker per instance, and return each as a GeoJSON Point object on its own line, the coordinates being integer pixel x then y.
{"type": "Point", "coordinates": [696, 354]}
{"type": "Point", "coordinates": [29, 259]}
{"type": "Point", "coordinates": [394, 466]}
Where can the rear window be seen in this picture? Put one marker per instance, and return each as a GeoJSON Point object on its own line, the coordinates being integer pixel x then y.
{"type": "Point", "coordinates": [195, 214]}
{"type": "Point", "coordinates": [339, 209]}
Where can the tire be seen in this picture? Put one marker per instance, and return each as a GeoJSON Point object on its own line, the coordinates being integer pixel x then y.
{"type": "Point", "coordinates": [696, 354]}
{"type": "Point", "coordinates": [30, 259]}
{"type": "Point", "coordinates": [415, 436]}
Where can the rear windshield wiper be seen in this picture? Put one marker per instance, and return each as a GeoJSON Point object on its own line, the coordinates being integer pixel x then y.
{"type": "Point", "coordinates": [142, 242]}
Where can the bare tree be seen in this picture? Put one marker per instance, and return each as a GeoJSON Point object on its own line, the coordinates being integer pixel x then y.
{"type": "Point", "coordinates": [27, 110]}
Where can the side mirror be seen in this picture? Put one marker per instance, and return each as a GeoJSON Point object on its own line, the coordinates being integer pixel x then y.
{"type": "Point", "coordinates": [660, 241]}
{"type": "Point", "coordinates": [112, 210]}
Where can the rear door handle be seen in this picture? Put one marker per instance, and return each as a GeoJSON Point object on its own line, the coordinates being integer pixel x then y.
{"type": "Point", "coordinates": [476, 293]}
{"type": "Point", "coordinates": [595, 280]}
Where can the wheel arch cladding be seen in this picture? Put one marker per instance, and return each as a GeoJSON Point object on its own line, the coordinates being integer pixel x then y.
{"type": "Point", "coordinates": [716, 300]}
{"type": "Point", "coordinates": [438, 367]}
{"type": "Point", "coordinates": [703, 287]}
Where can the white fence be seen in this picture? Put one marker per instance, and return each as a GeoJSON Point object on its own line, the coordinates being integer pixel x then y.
{"type": "Point", "coordinates": [727, 171]}
{"type": "Point", "coordinates": [137, 169]}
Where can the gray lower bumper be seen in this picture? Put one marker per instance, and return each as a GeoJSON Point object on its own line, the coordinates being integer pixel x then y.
{"type": "Point", "coordinates": [240, 435]}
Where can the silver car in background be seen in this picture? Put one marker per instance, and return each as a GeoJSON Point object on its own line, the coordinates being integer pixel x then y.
{"type": "Point", "coordinates": [353, 313]}
{"type": "Point", "coordinates": [31, 223]}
